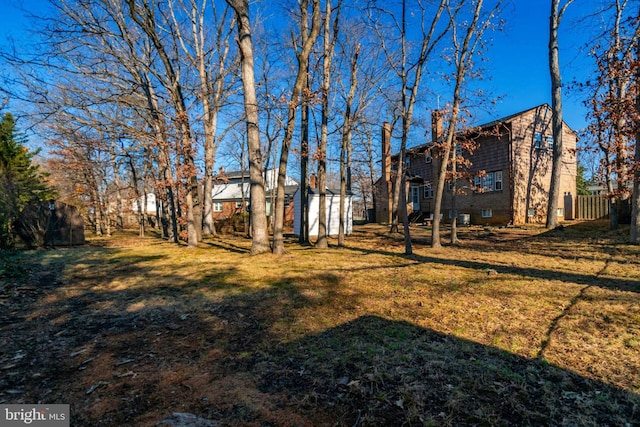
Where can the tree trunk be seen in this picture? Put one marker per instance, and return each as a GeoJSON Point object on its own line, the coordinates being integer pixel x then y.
{"type": "Point", "coordinates": [407, 106]}
{"type": "Point", "coordinates": [454, 195]}
{"type": "Point", "coordinates": [634, 233]}
{"type": "Point", "coordinates": [328, 50]}
{"type": "Point", "coordinates": [556, 118]}
{"type": "Point", "coordinates": [463, 55]}
{"type": "Point", "coordinates": [145, 19]}
{"type": "Point", "coordinates": [345, 145]}
{"type": "Point", "coordinates": [304, 166]}
{"type": "Point", "coordinates": [303, 61]}
{"type": "Point", "coordinates": [258, 212]}
{"type": "Point", "coordinates": [343, 191]}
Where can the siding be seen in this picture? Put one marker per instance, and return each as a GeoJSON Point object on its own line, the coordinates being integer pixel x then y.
{"type": "Point", "coordinates": [532, 166]}
{"type": "Point", "coordinates": [526, 173]}
{"type": "Point", "coordinates": [333, 214]}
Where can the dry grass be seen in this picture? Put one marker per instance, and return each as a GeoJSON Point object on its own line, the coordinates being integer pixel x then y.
{"type": "Point", "coordinates": [514, 327]}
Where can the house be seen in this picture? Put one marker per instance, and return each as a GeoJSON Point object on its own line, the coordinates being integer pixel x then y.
{"type": "Point", "coordinates": [150, 199]}
{"type": "Point", "coordinates": [507, 180]}
{"type": "Point", "coordinates": [231, 189]}
{"type": "Point", "coordinates": [332, 205]}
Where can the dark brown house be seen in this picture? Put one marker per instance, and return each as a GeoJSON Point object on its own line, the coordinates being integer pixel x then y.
{"type": "Point", "coordinates": [506, 180]}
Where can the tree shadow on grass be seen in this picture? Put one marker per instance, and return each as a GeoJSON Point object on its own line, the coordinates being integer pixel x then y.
{"type": "Point", "coordinates": [131, 355]}
{"type": "Point", "coordinates": [217, 348]}
{"type": "Point", "coordinates": [374, 371]}
{"type": "Point", "coordinates": [629, 284]}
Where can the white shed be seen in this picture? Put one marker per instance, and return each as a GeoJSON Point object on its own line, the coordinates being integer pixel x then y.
{"type": "Point", "coordinates": [333, 212]}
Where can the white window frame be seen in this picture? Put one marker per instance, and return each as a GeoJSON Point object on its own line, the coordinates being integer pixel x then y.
{"type": "Point", "coordinates": [497, 179]}
{"type": "Point", "coordinates": [560, 212]}
{"type": "Point", "coordinates": [477, 182]}
{"type": "Point", "coordinates": [217, 207]}
{"type": "Point", "coordinates": [487, 182]}
{"type": "Point", "coordinates": [549, 140]}
{"type": "Point", "coordinates": [487, 213]}
{"type": "Point", "coordinates": [427, 192]}
{"type": "Point", "coordinates": [238, 204]}
{"type": "Point", "coordinates": [492, 181]}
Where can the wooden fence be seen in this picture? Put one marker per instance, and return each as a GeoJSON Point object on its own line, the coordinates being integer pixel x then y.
{"type": "Point", "coordinates": [592, 207]}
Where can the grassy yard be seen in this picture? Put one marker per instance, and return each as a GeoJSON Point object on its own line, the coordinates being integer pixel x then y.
{"type": "Point", "coordinates": [517, 326]}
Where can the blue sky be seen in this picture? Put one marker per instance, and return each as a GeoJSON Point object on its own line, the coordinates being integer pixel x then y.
{"type": "Point", "coordinates": [518, 58]}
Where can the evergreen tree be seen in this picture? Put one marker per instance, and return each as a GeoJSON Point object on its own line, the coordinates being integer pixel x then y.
{"type": "Point", "coordinates": [22, 186]}
{"type": "Point", "coordinates": [582, 183]}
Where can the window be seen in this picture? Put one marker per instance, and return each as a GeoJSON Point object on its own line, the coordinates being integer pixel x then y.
{"type": "Point", "coordinates": [542, 142]}
{"type": "Point", "coordinates": [217, 206]}
{"type": "Point", "coordinates": [287, 200]}
{"type": "Point", "coordinates": [428, 192]}
{"type": "Point", "coordinates": [427, 158]}
{"type": "Point", "coordinates": [487, 213]}
{"type": "Point", "coordinates": [449, 186]}
{"type": "Point", "coordinates": [560, 212]}
{"type": "Point", "coordinates": [498, 180]}
{"type": "Point", "coordinates": [238, 205]}
{"type": "Point", "coordinates": [492, 181]}
{"type": "Point", "coordinates": [537, 140]}
{"type": "Point", "coordinates": [531, 212]}
{"type": "Point", "coordinates": [407, 162]}
{"type": "Point", "coordinates": [458, 150]}
{"type": "Point", "coordinates": [549, 142]}
{"type": "Point", "coordinates": [487, 183]}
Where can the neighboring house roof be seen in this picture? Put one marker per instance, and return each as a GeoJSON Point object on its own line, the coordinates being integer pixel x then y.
{"type": "Point", "coordinates": [497, 122]}
{"type": "Point", "coordinates": [230, 185]}
{"type": "Point", "coordinates": [271, 177]}
{"type": "Point", "coordinates": [328, 191]}
{"type": "Point", "coordinates": [288, 190]}
{"type": "Point", "coordinates": [230, 191]}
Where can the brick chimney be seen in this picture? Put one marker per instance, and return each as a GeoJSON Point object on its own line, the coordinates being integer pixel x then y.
{"type": "Point", "coordinates": [386, 151]}
{"type": "Point", "coordinates": [436, 125]}
{"type": "Point", "coordinates": [312, 182]}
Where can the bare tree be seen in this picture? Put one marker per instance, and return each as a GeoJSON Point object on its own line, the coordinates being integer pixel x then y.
{"type": "Point", "coordinates": [463, 53]}
{"type": "Point", "coordinates": [345, 145]}
{"type": "Point", "coordinates": [213, 69]}
{"type": "Point", "coordinates": [410, 76]}
{"type": "Point", "coordinates": [144, 16]}
{"type": "Point", "coordinates": [302, 55]}
{"type": "Point", "coordinates": [329, 38]}
{"type": "Point", "coordinates": [634, 232]}
{"type": "Point", "coordinates": [556, 106]}
{"type": "Point", "coordinates": [258, 212]}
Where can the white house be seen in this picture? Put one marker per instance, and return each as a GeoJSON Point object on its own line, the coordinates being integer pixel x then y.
{"type": "Point", "coordinates": [230, 187]}
{"type": "Point", "coordinates": [333, 212]}
{"type": "Point", "coordinates": [151, 204]}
